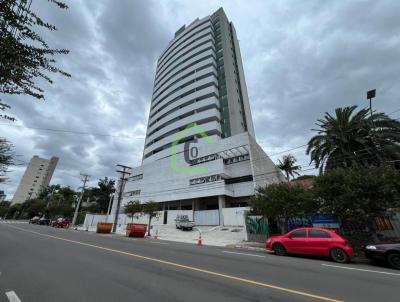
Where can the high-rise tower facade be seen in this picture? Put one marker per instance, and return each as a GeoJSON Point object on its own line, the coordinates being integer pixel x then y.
{"type": "Point", "coordinates": [199, 79]}
{"type": "Point", "coordinates": [200, 154]}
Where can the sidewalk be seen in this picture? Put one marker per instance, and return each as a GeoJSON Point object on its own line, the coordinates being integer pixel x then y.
{"type": "Point", "coordinates": [210, 235]}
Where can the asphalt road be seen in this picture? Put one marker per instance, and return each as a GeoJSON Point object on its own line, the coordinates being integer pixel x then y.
{"type": "Point", "coordinates": [40, 263]}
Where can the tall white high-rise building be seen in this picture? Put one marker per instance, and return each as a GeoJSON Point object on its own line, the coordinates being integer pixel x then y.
{"type": "Point", "coordinates": [36, 177]}
{"type": "Point", "coordinates": [200, 150]}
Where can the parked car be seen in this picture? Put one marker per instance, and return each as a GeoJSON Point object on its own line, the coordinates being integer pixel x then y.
{"type": "Point", "coordinates": [312, 241]}
{"type": "Point", "coordinates": [60, 223]}
{"type": "Point", "coordinates": [34, 220]}
{"type": "Point", "coordinates": [183, 223]}
{"type": "Point", "coordinates": [44, 221]}
{"type": "Point", "coordinates": [386, 251]}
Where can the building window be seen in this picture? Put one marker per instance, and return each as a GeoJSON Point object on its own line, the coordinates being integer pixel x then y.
{"type": "Point", "coordinates": [206, 179]}
{"type": "Point", "coordinates": [236, 159]}
{"type": "Point", "coordinates": [204, 159]}
{"type": "Point", "coordinates": [235, 180]}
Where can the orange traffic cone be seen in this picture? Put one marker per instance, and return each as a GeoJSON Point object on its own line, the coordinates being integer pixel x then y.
{"type": "Point", "coordinates": [200, 241]}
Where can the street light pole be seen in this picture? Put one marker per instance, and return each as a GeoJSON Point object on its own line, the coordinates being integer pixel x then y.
{"type": "Point", "coordinates": [109, 206]}
{"type": "Point", "coordinates": [370, 95]}
{"type": "Point", "coordinates": [121, 187]}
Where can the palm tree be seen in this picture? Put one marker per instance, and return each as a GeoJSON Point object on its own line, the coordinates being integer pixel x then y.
{"type": "Point", "coordinates": [288, 165]}
{"type": "Point", "coordinates": [349, 139]}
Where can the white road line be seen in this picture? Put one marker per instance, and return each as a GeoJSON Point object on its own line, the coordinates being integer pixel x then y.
{"type": "Point", "coordinates": [253, 255]}
{"type": "Point", "coordinates": [360, 269]}
{"type": "Point", "coordinates": [12, 296]}
{"type": "Point", "coordinates": [156, 242]}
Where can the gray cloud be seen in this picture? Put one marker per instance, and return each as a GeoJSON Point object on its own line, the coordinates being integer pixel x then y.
{"type": "Point", "coordinates": [301, 59]}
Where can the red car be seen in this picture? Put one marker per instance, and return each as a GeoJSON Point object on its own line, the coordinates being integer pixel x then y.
{"type": "Point", "coordinates": [60, 223]}
{"type": "Point", "coordinates": [312, 241]}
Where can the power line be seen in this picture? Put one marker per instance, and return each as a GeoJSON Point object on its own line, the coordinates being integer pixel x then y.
{"type": "Point", "coordinates": [74, 132]}
{"type": "Point", "coordinates": [397, 110]}
{"type": "Point", "coordinates": [285, 151]}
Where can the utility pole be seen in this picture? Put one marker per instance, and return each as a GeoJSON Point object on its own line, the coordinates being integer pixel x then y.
{"type": "Point", "coordinates": [121, 187]}
{"type": "Point", "coordinates": [85, 179]}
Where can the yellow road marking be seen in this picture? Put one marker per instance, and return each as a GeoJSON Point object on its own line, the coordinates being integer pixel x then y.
{"type": "Point", "coordinates": [187, 267]}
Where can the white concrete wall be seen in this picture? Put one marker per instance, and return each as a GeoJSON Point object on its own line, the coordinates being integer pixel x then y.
{"type": "Point", "coordinates": [234, 216]}
{"type": "Point", "coordinates": [265, 171]}
{"type": "Point", "coordinates": [145, 219]}
{"type": "Point", "coordinates": [91, 220]}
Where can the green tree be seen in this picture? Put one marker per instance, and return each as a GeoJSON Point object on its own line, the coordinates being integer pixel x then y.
{"type": "Point", "coordinates": [288, 165]}
{"type": "Point", "coordinates": [33, 207]}
{"type": "Point", "coordinates": [150, 208]}
{"type": "Point", "coordinates": [283, 201]}
{"type": "Point", "coordinates": [60, 201]}
{"type": "Point", "coordinates": [359, 193]}
{"type": "Point", "coordinates": [25, 55]}
{"type": "Point", "coordinates": [6, 158]}
{"type": "Point", "coordinates": [4, 208]}
{"type": "Point", "coordinates": [132, 208]}
{"type": "Point", "coordinates": [351, 138]}
{"type": "Point", "coordinates": [14, 211]}
{"type": "Point", "coordinates": [101, 194]}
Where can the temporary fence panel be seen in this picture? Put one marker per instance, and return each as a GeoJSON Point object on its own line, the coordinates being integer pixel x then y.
{"type": "Point", "coordinates": [257, 228]}
{"type": "Point", "coordinates": [171, 216]}
{"type": "Point", "coordinates": [234, 216]}
{"type": "Point", "coordinates": [207, 217]}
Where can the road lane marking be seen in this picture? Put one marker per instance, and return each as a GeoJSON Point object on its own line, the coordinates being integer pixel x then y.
{"type": "Point", "coordinates": [360, 269]}
{"type": "Point", "coordinates": [159, 242]}
{"type": "Point", "coordinates": [187, 267]}
{"type": "Point", "coordinates": [12, 296]}
{"type": "Point", "coordinates": [253, 255]}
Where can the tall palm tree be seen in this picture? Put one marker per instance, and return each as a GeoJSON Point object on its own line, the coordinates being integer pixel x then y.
{"type": "Point", "coordinates": [353, 138]}
{"type": "Point", "coordinates": [288, 165]}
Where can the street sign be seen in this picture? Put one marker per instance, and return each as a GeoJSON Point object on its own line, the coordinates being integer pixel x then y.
{"type": "Point", "coordinates": [371, 94]}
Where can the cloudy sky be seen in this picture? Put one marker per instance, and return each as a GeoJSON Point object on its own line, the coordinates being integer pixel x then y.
{"type": "Point", "coordinates": [301, 58]}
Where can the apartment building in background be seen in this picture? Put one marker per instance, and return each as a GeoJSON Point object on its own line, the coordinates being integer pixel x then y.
{"type": "Point", "coordinates": [37, 176]}
{"type": "Point", "coordinates": [200, 152]}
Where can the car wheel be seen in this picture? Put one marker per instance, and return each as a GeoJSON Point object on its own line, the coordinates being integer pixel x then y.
{"type": "Point", "coordinates": [339, 255]}
{"type": "Point", "coordinates": [394, 260]}
{"type": "Point", "coordinates": [279, 249]}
